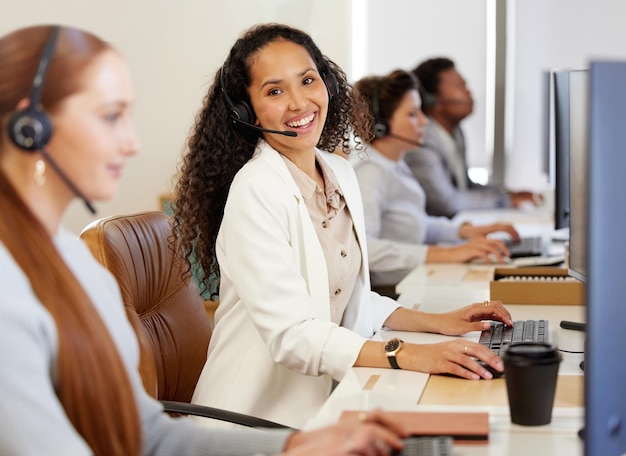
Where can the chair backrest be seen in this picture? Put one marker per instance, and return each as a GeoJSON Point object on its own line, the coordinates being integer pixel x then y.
{"type": "Point", "coordinates": [166, 311]}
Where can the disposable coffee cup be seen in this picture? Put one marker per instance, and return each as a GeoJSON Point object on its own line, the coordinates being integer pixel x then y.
{"type": "Point", "coordinates": [530, 372]}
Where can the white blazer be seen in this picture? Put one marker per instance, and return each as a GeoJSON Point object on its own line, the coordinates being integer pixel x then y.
{"type": "Point", "coordinates": [274, 351]}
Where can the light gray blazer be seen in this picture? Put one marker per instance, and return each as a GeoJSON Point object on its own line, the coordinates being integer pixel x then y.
{"type": "Point", "coordinates": [32, 418]}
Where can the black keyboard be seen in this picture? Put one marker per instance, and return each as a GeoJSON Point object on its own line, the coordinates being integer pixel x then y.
{"type": "Point", "coordinates": [426, 446]}
{"type": "Point", "coordinates": [499, 335]}
{"type": "Point", "coordinates": [527, 246]}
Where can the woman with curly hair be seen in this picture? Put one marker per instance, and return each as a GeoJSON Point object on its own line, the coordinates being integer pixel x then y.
{"type": "Point", "coordinates": [262, 203]}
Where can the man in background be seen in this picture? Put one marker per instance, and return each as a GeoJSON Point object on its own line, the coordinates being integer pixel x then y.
{"type": "Point", "coordinates": [439, 163]}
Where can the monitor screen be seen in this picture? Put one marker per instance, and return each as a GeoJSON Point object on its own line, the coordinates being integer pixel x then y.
{"type": "Point", "coordinates": [578, 155]}
{"type": "Point", "coordinates": [561, 132]}
{"type": "Point", "coordinates": [605, 369]}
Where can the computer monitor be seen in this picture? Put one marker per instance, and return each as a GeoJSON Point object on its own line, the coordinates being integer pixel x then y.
{"type": "Point", "coordinates": [561, 132]}
{"type": "Point", "coordinates": [605, 369]}
{"type": "Point", "coordinates": [578, 156]}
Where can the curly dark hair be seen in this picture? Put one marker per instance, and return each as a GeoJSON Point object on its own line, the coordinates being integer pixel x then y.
{"type": "Point", "coordinates": [218, 148]}
{"type": "Point", "coordinates": [383, 94]}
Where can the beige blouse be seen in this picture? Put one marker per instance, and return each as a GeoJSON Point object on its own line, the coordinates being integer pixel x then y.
{"type": "Point", "coordinates": [335, 231]}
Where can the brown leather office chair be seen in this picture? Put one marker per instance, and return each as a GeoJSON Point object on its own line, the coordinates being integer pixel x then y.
{"type": "Point", "coordinates": [166, 312]}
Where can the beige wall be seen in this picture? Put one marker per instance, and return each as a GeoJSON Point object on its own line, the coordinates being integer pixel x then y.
{"type": "Point", "coordinates": [174, 49]}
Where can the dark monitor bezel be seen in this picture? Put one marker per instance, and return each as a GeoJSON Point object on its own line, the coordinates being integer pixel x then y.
{"type": "Point", "coordinates": [561, 149]}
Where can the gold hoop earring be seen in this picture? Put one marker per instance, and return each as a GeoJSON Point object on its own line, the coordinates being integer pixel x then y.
{"type": "Point", "coordinates": [40, 172]}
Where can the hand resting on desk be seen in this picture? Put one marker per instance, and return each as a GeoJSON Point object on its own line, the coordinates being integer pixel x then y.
{"type": "Point", "coordinates": [458, 357]}
{"type": "Point", "coordinates": [372, 433]}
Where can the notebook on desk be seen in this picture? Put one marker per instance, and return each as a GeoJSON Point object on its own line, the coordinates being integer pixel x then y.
{"type": "Point", "coordinates": [463, 427]}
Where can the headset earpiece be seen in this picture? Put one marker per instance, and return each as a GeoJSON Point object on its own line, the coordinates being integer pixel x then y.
{"type": "Point", "coordinates": [381, 128]}
{"type": "Point", "coordinates": [30, 129]}
{"type": "Point", "coordinates": [240, 112]}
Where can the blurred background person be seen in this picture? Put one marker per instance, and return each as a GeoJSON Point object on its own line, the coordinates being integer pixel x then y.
{"type": "Point", "coordinates": [400, 234]}
{"type": "Point", "coordinates": [439, 163]}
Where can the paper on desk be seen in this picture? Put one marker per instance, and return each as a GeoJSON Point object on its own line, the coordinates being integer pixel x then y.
{"type": "Point", "coordinates": [438, 299]}
{"type": "Point", "coordinates": [365, 388]}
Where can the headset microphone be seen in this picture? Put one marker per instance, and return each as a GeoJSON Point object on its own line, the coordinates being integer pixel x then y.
{"type": "Point", "coordinates": [242, 114]}
{"type": "Point", "coordinates": [406, 140]}
{"type": "Point", "coordinates": [44, 153]}
{"type": "Point", "coordinates": [267, 130]}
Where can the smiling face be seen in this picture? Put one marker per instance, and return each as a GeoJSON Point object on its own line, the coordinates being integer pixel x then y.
{"type": "Point", "coordinates": [288, 93]}
{"type": "Point", "coordinates": [93, 134]}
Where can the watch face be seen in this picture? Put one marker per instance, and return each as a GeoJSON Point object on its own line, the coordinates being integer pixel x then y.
{"type": "Point", "coordinates": [392, 345]}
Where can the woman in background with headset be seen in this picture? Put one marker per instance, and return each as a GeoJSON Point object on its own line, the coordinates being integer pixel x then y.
{"type": "Point", "coordinates": [69, 356]}
{"type": "Point", "coordinates": [398, 228]}
{"type": "Point", "coordinates": [260, 202]}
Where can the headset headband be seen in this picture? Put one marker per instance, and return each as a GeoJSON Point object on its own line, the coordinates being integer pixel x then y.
{"type": "Point", "coordinates": [42, 69]}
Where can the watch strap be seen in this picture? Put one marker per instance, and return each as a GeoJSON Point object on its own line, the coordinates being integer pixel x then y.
{"type": "Point", "coordinates": [393, 362]}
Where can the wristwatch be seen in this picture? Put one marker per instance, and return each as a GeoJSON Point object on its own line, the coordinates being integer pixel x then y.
{"type": "Point", "coordinates": [392, 347]}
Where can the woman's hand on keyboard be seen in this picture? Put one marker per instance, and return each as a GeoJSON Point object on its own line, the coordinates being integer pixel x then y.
{"type": "Point", "coordinates": [473, 318]}
{"type": "Point", "coordinates": [458, 357]}
{"type": "Point", "coordinates": [488, 250]}
{"type": "Point", "coordinates": [468, 231]}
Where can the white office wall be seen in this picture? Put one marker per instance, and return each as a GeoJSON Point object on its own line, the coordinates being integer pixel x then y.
{"type": "Point", "coordinates": [541, 35]}
{"type": "Point", "coordinates": [403, 33]}
{"type": "Point", "coordinates": [549, 34]}
{"type": "Point", "coordinates": [174, 49]}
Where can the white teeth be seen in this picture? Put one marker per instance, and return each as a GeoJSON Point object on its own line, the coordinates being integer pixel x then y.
{"type": "Point", "coordinates": [301, 122]}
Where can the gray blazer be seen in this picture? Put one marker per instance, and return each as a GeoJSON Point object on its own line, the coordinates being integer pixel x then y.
{"type": "Point", "coordinates": [433, 170]}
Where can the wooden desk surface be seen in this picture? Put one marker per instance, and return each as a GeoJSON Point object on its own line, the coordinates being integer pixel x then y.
{"type": "Point", "coordinates": [442, 288]}
{"type": "Point", "coordinates": [443, 390]}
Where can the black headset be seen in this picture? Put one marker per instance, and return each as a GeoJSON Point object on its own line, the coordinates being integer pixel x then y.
{"type": "Point", "coordinates": [381, 127]}
{"type": "Point", "coordinates": [30, 129]}
{"type": "Point", "coordinates": [242, 113]}
{"type": "Point", "coordinates": [428, 99]}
